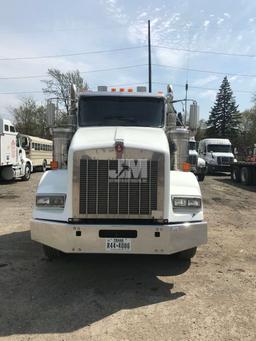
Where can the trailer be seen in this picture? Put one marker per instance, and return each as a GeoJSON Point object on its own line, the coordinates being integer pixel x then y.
{"type": "Point", "coordinates": [245, 171]}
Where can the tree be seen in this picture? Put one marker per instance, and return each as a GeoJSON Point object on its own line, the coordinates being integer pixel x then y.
{"type": "Point", "coordinates": [224, 120]}
{"type": "Point", "coordinates": [30, 118]}
{"type": "Point", "coordinates": [58, 86]}
{"type": "Point", "coordinates": [247, 138]}
{"type": "Point", "coordinates": [201, 130]}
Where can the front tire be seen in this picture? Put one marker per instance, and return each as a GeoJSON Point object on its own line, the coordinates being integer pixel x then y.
{"type": "Point", "coordinates": [235, 174]}
{"type": "Point", "coordinates": [51, 253]}
{"type": "Point", "coordinates": [27, 174]}
{"type": "Point", "coordinates": [187, 254]}
{"type": "Point", "coordinates": [44, 166]}
{"type": "Point", "coordinates": [200, 177]}
{"type": "Point", "coordinates": [246, 176]}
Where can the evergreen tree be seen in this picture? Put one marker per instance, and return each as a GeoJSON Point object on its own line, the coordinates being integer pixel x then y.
{"type": "Point", "coordinates": [224, 120]}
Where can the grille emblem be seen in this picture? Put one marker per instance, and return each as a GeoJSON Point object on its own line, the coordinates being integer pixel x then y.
{"type": "Point", "coordinates": [119, 148]}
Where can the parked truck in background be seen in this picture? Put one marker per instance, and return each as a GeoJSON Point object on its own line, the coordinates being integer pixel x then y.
{"type": "Point", "coordinates": [13, 161]}
{"type": "Point", "coordinates": [112, 189]}
{"type": "Point", "coordinates": [217, 154]}
{"type": "Point", "coordinates": [198, 165]}
{"type": "Point", "coordinates": [245, 171]}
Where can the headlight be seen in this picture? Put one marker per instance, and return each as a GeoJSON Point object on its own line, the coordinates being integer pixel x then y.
{"type": "Point", "coordinates": [51, 200]}
{"type": "Point", "coordinates": [182, 202]}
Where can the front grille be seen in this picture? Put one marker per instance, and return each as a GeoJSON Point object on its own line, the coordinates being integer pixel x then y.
{"type": "Point", "coordinates": [224, 160]}
{"type": "Point", "coordinates": [192, 159]}
{"type": "Point", "coordinates": [114, 187]}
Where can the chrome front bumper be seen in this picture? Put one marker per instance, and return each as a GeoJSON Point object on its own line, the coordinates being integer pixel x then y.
{"type": "Point", "coordinates": [151, 239]}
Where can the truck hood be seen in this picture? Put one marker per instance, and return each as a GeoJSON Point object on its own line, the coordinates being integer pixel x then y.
{"type": "Point", "coordinates": [133, 137]}
{"type": "Point", "coordinates": [215, 154]}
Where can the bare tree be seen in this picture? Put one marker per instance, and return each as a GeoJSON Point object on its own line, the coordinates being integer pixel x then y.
{"type": "Point", "coordinates": [58, 85]}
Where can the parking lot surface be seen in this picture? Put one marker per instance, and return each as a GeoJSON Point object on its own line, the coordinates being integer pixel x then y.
{"type": "Point", "coordinates": [95, 297]}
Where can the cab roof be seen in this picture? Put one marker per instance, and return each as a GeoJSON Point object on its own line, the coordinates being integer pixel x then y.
{"type": "Point", "coordinates": [120, 94]}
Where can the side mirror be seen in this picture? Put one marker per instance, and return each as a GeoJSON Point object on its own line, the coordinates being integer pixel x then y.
{"type": "Point", "coordinates": [24, 143]}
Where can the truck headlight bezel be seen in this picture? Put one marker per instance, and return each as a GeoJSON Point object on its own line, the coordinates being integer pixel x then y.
{"type": "Point", "coordinates": [179, 202]}
{"type": "Point", "coordinates": [50, 200]}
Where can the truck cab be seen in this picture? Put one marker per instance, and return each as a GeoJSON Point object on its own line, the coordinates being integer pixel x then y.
{"type": "Point", "coordinates": [217, 154]}
{"type": "Point", "coordinates": [13, 161]}
{"type": "Point", "coordinates": [114, 191]}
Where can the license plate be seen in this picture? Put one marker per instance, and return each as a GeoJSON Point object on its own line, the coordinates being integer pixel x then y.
{"type": "Point", "coordinates": [118, 244]}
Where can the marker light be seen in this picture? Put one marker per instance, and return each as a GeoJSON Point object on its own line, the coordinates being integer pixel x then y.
{"type": "Point", "coordinates": [54, 164]}
{"type": "Point", "coordinates": [186, 167]}
{"type": "Point", "coordinates": [113, 89]}
{"type": "Point", "coordinates": [122, 89]}
{"type": "Point", "coordinates": [130, 90]}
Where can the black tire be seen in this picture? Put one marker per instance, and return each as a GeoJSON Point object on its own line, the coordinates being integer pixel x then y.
{"type": "Point", "coordinates": [51, 253]}
{"type": "Point", "coordinates": [207, 169]}
{"type": "Point", "coordinates": [187, 254]}
{"type": "Point", "coordinates": [200, 177]}
{"type": "Point", "coordinates": [26, 177]}
{"type": "Point", "coordinates": [236, 174]}
{"type": "Point", "coordinates": [246, 176]}
{"type": "Point", "coordinates": [44, 166]}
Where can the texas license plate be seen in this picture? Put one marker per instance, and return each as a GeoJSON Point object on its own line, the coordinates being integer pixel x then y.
{"type": "Point", "coordinates": [118, 244]}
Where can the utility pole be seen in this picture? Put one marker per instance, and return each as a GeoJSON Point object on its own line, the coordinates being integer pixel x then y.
{"type": "Point", "coordinates": [149, 60]}
{"type": "Point", "coordinates": [186, 101]}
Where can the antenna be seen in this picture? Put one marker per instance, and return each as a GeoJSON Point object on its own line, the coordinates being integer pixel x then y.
{"type": "Point", "coordinates": [149, 60]}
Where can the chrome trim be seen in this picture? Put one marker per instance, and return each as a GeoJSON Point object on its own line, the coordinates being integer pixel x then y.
{"type": "Point", "coordinates": [110, 154]}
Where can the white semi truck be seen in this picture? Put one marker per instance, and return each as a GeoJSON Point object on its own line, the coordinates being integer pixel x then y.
{"type": "Point", "coordinates": [13, 161]}
{"type": "Point", "coordinates": [112, 189]}
{"type": "Point", "coordinates": [198, 165]}
{"type": "Point", "coordinates": [217, 154]}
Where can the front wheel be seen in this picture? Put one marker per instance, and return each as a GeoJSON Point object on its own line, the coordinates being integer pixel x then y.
{"type": "Point", "coordinates": [44, 166]}
{"type": "Point", "coordinates": [200, 177]}
{"type": "Point", "coordinates": [235, 174]}
{"type": "Point", "coordinates": [26, 176]}
{"type": "Point", "coordinates": [246, 176]}
{"type": "Point", "coordinates": [187, 254]}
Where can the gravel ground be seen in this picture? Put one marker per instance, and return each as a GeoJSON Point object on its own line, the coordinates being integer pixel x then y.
{"type": "Point", "coordinates": [131, 297]}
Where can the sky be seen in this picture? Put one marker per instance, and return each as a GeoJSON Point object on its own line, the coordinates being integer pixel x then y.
{"type": "Point", "coordinates": [198, 41]}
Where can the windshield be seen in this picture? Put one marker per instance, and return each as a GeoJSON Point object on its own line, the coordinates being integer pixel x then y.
{"type": "Point", "coordinates": [219, 148]}
{"type": "Point", "coordinates": [121, 111]}
{"type": "Point", "coordinates": [192, 145]}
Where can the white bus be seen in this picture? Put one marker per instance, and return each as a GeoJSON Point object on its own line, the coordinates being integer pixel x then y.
{"type": "Point", "coordinates": [38, 150]}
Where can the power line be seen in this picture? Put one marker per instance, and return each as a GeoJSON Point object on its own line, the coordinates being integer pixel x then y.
{"type": "Point", "coordinates": [204, 88]}
{"type": "Point", "coordinates": [89, 71]}
{"type": "Point", "coordinates": [204, 51]}
{"type": "Point", "coordinates": [73, 54]}
{"type": "Point", "coordinates": [125, 49]}
{"type": "Point", "coordinates": [133, 84]}
{"type": "Point", "coordinates": [205, 71]}
{"type": "Point", "coordinates": [21, 92]}
{"type": "Point", "coordinates": [135, 66]}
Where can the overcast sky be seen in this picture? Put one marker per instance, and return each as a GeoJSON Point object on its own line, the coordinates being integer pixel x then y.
{"type": "Point", "coordinates": [30, 28]}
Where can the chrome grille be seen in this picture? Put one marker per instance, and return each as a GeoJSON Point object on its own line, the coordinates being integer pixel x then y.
{"type": "Point", "coordinates": [224, 160]}
{"type": "Point", "coordinates": [127, 196]}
